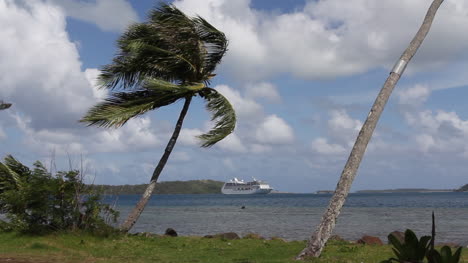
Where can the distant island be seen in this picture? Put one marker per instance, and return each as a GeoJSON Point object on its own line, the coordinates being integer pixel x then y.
{"type": "Point", "coordinates": [169, 187]}
{"type": "Point", "coordinates": [214, 187]}
{"type": "Point", "coordinates": [406, 190]}
{"type": "Point", "coordinates": [463, 188]}
{"type": "Point", "coordinates": [402, 190]}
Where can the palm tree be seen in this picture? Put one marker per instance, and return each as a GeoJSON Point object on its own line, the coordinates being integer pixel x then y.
{"type": "Point", "coordinates": [4, 106]}
{"type": "Point", "coordinates": [170, 57]}
{"type": "Point", "coordinates": [323, 232]}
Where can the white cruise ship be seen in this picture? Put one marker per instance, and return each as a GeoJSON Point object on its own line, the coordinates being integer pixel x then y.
{"type": "Point", "coordinates": [239, 187]}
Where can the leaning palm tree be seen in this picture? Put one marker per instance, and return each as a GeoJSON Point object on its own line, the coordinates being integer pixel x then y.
{"type": "Point", "coordinates": [170, 57]}
{"type": "Point", "coordinates": [318, 240]}
{"type": "Point", "coordinates": [4, 106]}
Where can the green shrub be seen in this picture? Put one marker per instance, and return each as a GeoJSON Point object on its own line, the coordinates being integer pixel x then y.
{"type": "Point", "coordinates": [36, 201]}
{"type": "Point", "coordinates": [414, 251]}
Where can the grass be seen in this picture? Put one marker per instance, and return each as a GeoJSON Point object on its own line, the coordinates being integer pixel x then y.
{"type": "Point", "coordinates": [71, 247]}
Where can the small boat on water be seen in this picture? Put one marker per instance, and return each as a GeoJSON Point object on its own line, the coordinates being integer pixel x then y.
{"type": "Point", "coordinates": [239, 187]}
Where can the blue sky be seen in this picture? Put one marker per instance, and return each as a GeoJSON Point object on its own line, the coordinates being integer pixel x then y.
{"type": "Point", "coordinates": [301, 75]}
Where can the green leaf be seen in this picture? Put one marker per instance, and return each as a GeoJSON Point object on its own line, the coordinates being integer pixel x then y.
{"type": "Point", "coordinates": [446, 253]}
{"type": "Point", "coordinates": [214, 43]}
{"type": "Point", "coordinates": [456, 256]}
{"type": "Point", "coordinates": [120, 107]}
{"type": "Point", "coordinates": [222, 113]}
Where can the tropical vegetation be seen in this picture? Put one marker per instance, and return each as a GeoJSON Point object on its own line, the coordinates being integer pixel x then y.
{"type": "Point", "coordinates": [170, 57]}
{"type": "Point", "coordinates": [36, 201]}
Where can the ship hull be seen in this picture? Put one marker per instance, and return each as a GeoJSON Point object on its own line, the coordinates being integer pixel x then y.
{"type": "Point", "coordinates": [246, 192]}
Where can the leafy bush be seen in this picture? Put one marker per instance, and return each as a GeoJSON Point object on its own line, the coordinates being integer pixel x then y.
{"type": "Point", "coordinates": [36, 201]}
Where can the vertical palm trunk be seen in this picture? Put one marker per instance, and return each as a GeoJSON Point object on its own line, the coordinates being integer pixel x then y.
{"type": "Point", "coordinates": [136, 212]}
{"type": "Point", "coordinates": [323, 232]}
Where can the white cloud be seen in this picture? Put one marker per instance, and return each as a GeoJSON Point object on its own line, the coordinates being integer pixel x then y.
{"type": "Point", "coordinates": [49, 89]}
{"type": "Point", "coordinates": [321, 145]}
{"type": "Point", "coordinates": [331, 38]}
{"type": "Point", "coordinates": [92, 77]}
{"type": "Point", "coordinates": [425, 142]}
{"type": "Point", "coordinates": [245, 108]}
{"type": "Point", "coordinates": [44, 80]}
{"type": "Point", "coordinates": [108, 15]}
{"type": "Point", "coordinates": [189, 136]}
{"type": "Point", "coordinates": [136, 135]}
{"type": "Point", "coordinates": [274, 130]}
{"type": "Point", "coordinates": [439, 131]}
{"type": "Point", "coordinates": [415, 95]}
{"type": "Point", "coordinates": [342, 128]}
{"type": "Point", "coordinates": [232, 143]}
{"type": "Point", "coordinates": [263, 90]}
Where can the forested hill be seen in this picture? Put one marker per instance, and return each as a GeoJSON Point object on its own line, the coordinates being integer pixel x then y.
{"type": "Point", "coordinates": [170, 187]}
{"type": "Point", "coordinates": [463, 188]}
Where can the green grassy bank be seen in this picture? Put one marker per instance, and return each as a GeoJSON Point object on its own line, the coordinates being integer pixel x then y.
{"type": "Point", "coordinates": [85, 248]}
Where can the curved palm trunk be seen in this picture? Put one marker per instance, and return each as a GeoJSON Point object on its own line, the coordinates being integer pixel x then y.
{"type": "Point", "coordinates": [319, 238]}
{"type": "Point", "coordinates": [136, 212]}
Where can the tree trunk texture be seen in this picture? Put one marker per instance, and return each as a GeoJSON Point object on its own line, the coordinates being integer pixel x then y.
{"type": "Point", "coordinates": [323, 232]}
{"type": "Point", "coordinates": [136, 212]}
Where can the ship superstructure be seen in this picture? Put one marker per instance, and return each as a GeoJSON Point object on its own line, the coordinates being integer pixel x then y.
{"type": "Point", "coordinates": [236, 186]}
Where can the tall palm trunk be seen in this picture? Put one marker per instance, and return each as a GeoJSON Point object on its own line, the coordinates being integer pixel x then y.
{"type": "Point", "coordinates": [319, 238]}
{"type": "Point", "coordinates": [136, 212]}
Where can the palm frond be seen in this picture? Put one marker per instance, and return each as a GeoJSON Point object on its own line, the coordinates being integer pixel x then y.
{"type": "Point", "coordinates": [215, 44]}
{"type": "Point", "coordinates": [120, 107]}
{"type": "Point", "coordinates": [4, 106]}
{"type": "Point", "coordinates": [170, 46]}
{"type": "Point", "coordinates": [166, 47]}
{"type": "Point", "coordinates": [13, 173]}
{"type": "Point", "coordinates": [222, 113]}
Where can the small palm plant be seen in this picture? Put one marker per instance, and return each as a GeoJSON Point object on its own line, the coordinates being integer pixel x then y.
{"type": "Point", "coordinates": [411, 250]}
{"type": "Point", "coordinates": [171, 57]}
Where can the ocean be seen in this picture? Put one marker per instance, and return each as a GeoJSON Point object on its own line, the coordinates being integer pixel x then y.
{"type": "Point", "coordinates": [295, 216]}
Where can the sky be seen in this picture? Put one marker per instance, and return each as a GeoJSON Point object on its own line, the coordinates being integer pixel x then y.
{"type": "Point", "coordinates": [301, 75]}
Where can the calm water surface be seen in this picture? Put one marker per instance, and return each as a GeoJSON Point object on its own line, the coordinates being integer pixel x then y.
{"type": "Point", "coordinates": [294, 216]}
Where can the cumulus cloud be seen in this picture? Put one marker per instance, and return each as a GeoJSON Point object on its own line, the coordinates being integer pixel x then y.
{"type": "Point", "coordinates": [245, 108]}
{"type": "Point", "coordinates": [321, 145]}
{"type": "Point", "coordinates": [263, 90]}
{"type": "Point", "coordinates": [91, 75]}
{"type": "Point", "coordinates": [441, 131]}
{"type": "Point", "coordinates": [44, 79]}
{"type": "Point", "coordinates": [189, 136]}
{"type": "Point", "coordinates": [108, 15]}
{"type": "Point", "coordinates": [274, 130]}
{"type": "Point", "coordinates": [40, 72]}
{"type": "Point", "coordinates": [342, 128]}
{"type": "Point", "coordinates": [232, 143]}
{"type": "Point", "coordinates": [331, 38]}
{"type": "Point", "coordinates": [415, 95]}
